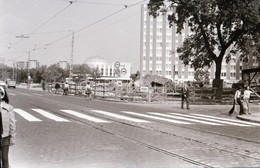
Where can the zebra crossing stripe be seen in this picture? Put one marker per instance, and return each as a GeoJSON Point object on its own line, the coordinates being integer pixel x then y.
{"type": "Point", "coordinates": [183, 118]}
{"type": "Point", "coordinates": [225, 119]}
{"type": "Point", "coordinates": [26, 115]}
{"type": "Point", "coordinates": [157, 118]}
{"type": "Point", "coordinates": [50, 116]}
{"type": "Point", "coordinates": [119, 116]}
{"type": "Point", "coordinates": [211, 119]}
{"type": "Point", "coordinates": [84, 116]}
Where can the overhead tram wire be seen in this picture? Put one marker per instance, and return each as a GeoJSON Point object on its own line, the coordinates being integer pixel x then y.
{"type": "Point", "coordinates": [47, 21]}
{"type": "Point", "coordinates": [94, 23]}
{"type": "Point", "coordinates": [102, 19]}
{"type": "Point", "coordinates": [50, 19]}
{"type": "Point", "coordinates": [101, 3]}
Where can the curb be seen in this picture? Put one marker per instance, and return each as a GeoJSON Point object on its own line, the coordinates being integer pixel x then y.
{"type": "Point", "coordinates": [247, 119]}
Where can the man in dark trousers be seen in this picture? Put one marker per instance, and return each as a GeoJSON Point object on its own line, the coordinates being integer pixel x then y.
{"type": "Point", "coordinates": [185, 95]}
{"type": "Point", "coordinates": [237, 100]}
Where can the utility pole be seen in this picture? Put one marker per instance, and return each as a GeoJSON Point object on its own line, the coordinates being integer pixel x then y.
{"type": "Point", "coordinates": [28, 71]}
{"type": "Point", "coordinates": [71, 59]}
{"type": "Point", "coordinates": [13, 70]}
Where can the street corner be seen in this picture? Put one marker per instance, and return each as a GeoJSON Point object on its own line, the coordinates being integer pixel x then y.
{"type": "Point", "coordinates": [253, 117]}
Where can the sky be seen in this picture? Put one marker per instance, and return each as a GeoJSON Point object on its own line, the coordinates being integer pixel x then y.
{"type": "Point", "coordinates": [107, 29]}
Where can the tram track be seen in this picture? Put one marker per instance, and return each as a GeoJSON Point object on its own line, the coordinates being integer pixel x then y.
{"type": "Point", "coordinates": [103, 128]}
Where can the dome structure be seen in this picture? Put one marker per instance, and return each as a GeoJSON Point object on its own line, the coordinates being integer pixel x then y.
{"type": "Point", "coordinates": [95, 60]}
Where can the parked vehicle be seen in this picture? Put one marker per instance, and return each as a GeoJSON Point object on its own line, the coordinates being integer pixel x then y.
{"type": "Point", "coordinates": [3, 84]}
{"type": "Point", "coordinates": [11, 84]}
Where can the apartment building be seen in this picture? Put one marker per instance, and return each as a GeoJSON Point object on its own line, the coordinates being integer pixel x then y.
{"type": "Point", "coordinates": [158, 52]}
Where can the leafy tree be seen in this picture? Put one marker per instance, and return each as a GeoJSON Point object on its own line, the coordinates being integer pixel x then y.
{"type": "Point", "coordinates": [22, 76]}
{"type": "Point", "coordinates": [216, 25]}
{"type": "Point", "coordinates": [53, 73]}
{"type": "Point", "coordinates": [95, 73]}
{"type": "Point", "coordinates": [81, 71]}
{"type": "Point", "coordinates": [135, 76]}
{"type": "Point", "coordinates": [36, 75]}
{"type": "Point", "coordinates": [201, 76]}
{"type": "Point", "coordinates": [5, 73]}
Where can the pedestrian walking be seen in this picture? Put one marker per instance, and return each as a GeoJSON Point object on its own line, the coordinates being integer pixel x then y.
{"type": "Point", "coordinates": [237, 100]}
{"type": "Point", "coordinates": [246, 97]}
{"type": "Point", "coordinates": [7, 127]}
{"type": "Point", "coordinates": [43, 86]}
{"type": "Point", "coordinates": [185, 95]}
{"type": "Point", "coordinates": [88, 90]}
{"type": "Point", "coordinates": [57, 87]}
{"type": "Point", "coordinates": [66, 88]}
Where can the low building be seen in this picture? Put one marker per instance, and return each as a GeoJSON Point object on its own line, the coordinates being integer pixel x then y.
{"type": "Point", "coordinates": [114, 70]}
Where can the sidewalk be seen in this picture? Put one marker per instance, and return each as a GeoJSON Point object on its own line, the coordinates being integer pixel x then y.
{"type": "Point", "coordinates": [253, 117]}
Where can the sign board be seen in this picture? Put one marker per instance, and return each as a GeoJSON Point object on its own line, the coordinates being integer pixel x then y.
{"type": "Point", "coordinates": [117, 64]}
{"type": "Point", "coordinates": [117, 72]}
{"type": "Point", "coordinates": [144, 89]}
{"type": "Point", "coordinates": [123, 71]}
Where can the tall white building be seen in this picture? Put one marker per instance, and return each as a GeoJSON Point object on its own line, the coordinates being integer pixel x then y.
{"type": "Point", "coordinates": [158, 51]}
{"type": "Point", "coordinates": [158, 48]}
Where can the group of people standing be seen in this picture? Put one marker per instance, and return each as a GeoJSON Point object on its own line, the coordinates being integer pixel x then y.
{"type": "Point", "coordinates": [64, 86]}
{"type": "Point", "coordinates": [239, 99]}
{"type": "Point", "coordinates": [242, 100]}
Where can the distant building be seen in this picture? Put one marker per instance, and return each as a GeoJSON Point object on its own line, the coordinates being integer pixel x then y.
{"type": "Point", "coordinates": [63, 64]}
{"type": "Point", "coordinates": [33, 64]}
{"type": "Point", "coordinates": [110, 70]}
{"type": "Point", "coordinates": [21, 65]}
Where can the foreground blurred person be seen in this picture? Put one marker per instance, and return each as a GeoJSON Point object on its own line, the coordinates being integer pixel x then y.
{"type": "Point", "coordinates": [7, 127]}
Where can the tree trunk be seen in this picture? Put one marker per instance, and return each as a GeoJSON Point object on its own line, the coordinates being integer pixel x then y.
{"type": "Point", "coordinates": [217, 82]}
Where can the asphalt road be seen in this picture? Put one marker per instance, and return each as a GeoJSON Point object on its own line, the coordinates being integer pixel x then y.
{"type": "Point", "coordinates": [55, 131]}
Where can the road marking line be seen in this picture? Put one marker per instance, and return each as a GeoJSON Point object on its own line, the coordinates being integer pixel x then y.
{"type": "Point", "coordinates": [225, 119]}
{"type": "Point", "coordinates": [36, 94]}
{"type": "Point", "coordinates": [119, 116]}
{"type": "Point", "coordinates": [209, 119]}
{"type": "Point", "coordinates": [26, 115]}
{"type": "Point", "coordinates": [12, 94]}
{"type": "Point", "coordinates": [50, 116]}
{"type": "Point", "coordinates": [157, 118]}
{"type": "Point", "coordinates": [84, 116]}
{"type": "Point", "coordinates": [183, 118]}
{"type": "Point", "coordinates": [25, 94]}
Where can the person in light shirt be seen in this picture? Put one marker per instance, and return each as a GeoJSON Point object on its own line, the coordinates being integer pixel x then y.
{"type": "Point", "coordinates": [247, 94]}
{"type": "Point", "coordinates": [7, 128]}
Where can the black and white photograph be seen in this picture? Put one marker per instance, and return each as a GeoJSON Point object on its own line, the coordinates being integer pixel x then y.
{"type": "Point", "coordinates": [130, 84]}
